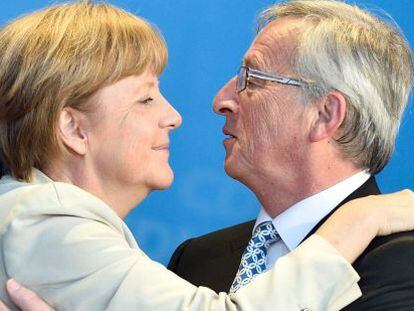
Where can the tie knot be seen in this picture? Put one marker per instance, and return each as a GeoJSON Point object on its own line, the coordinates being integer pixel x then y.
{"type": "Point", "coordinates": [265, 233]}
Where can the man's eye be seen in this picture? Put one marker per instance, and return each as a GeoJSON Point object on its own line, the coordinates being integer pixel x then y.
{"type": "Point", "coordinates": [254, 83]}
{"type": "Point", "coordinates": [146, 101]}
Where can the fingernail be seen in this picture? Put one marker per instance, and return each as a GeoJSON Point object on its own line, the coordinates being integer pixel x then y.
{"type": "Point", "coordinates": [12, 285]}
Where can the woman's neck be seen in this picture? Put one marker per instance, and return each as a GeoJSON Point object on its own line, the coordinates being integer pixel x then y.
{"type": "Point", "coordinates": [119, 197]}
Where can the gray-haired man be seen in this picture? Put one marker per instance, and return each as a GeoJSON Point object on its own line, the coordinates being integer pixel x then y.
{"type": "Point", "coordinates": [310, 118]}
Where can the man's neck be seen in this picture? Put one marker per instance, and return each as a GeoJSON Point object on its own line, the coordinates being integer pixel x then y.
{"type": "Point", "coordinates": [276, 197]}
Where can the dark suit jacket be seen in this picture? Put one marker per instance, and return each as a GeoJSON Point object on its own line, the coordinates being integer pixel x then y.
{"type": "Point", "coordinates": [386, 267]}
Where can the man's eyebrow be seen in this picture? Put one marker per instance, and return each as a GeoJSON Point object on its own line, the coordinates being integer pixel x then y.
{"type": "Point", "coordinates": [251, 62]}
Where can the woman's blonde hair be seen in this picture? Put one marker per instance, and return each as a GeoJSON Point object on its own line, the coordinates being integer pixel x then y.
{"type": "Point", "coordinates": [59, 57]}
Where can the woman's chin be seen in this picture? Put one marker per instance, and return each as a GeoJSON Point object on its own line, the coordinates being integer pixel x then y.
{"type": "Point", "coordinates": [163, 182]}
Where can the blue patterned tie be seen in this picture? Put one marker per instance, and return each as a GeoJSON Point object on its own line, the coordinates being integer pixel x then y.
{"type": "Point", "coordinates": [253, 261]}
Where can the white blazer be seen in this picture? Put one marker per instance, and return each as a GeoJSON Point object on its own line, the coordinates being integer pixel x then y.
{"type": "Point", "coordinates": [73, 249]}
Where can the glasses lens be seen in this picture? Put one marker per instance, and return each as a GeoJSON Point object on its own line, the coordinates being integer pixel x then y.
{"type": "Point", "coordinates": [241, 79]}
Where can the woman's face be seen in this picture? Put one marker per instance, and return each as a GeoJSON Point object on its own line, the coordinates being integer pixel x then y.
{"type": "Point", "coordinates": [128, 135]}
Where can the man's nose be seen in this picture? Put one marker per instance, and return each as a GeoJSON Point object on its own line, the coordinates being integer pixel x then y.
{"type": "Point", "coordinates": [225, 101]}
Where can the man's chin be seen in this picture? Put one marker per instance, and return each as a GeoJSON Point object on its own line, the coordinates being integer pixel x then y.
{"type": "Point", "coordinates": [238, 169]}
{"type": "Point", "coordinates": [231, 168]}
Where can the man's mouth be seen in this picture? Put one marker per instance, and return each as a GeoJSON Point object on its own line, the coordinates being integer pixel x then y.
{"type": "Point", "coordinates": [228, 134]}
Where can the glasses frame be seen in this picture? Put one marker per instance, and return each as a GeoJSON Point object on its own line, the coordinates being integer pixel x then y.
{"type": "Point", "coordinates": [246, 72]}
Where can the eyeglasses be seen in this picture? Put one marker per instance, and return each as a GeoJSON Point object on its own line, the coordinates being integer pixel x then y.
{"type": "Point", "coordinates": [246, 72]}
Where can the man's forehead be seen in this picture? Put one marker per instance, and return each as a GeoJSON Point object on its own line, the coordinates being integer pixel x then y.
{"type": "Point", "coordinates": [274, 43]}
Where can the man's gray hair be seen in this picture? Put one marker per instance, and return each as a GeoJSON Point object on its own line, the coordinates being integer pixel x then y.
{"type": "Point", "coordinates": [368, 60]}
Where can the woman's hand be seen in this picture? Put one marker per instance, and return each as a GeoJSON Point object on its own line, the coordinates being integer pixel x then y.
{"type": "Point", "coordinates": [353, 226]}
{"type": "Point", "coordinates": [24, 298]}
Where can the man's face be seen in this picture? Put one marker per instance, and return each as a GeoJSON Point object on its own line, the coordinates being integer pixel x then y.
{"type": "Point", "coordinates": [267, 122]}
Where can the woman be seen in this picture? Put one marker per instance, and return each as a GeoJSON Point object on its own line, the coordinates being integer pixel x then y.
{"type": "Point", "coordinates": [85, 139]}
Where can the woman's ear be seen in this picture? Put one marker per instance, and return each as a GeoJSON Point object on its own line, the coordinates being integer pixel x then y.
{"type": "Point", "coordinates": [331, 113]}
{"type": "Point", "coordinates": [72, 131]}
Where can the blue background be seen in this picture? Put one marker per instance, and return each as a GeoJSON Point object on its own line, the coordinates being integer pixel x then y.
{"type": "Point", "coordinates": [207, 40]}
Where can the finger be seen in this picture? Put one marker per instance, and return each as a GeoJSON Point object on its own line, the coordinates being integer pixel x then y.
{"type": "Point", "coordinates": [408, 193]}
{"type": "Point", "coordinates": [399, 212]}
{"type": "Point", "coordinates": [3, 307]}
{"type": "Point", "coordinates": [24, 298]}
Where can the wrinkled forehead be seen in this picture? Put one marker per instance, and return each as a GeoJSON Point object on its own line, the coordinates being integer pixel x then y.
{"type": "Point", "coordinates": [274, 48]}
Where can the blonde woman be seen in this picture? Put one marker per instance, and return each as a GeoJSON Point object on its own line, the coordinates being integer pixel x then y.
{"type": "Point", "coordinates": [85, 136]}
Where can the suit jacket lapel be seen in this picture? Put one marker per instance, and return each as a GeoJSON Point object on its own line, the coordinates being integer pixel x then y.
{"type": "Point", "coordinates": [228, 263]}
{"type": "Point", "coordinates": [238, 244]}
{"type": "Point", "coordinates": [241, 240]}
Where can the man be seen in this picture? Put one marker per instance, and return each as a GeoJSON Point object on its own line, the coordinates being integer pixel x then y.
{"type": "Point", "coordinates": [310, 118]}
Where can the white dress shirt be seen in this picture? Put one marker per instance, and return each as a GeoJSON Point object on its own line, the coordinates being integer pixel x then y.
{"type": "Point", "coordinates": [294, 224]}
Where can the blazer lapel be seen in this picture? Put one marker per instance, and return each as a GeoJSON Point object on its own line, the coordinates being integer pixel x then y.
{"type": "Point", "coordinates": [222, 269]}
{"type": "Point", "coordinates": [238, 244]}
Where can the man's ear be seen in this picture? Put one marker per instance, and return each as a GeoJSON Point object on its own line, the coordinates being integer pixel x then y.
{"type": "Point", "coordinates": [71, 130]}
{"type": "Point", "coordinates": [331, 113]}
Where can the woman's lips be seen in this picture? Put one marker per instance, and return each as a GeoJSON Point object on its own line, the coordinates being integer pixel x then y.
{"type": "Point", "coordinates": [164, 147]}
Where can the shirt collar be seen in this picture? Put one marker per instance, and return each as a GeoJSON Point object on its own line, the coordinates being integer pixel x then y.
{"type": "Point", "coordinates": [298, 220]}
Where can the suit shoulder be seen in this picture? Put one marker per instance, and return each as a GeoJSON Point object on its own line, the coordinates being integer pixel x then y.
{"type": "Point", "coordinates": [226, 234]}
{"type": "Point", "coordinates": [212, 244]}
{"type": "Point", "coordinates": [386, 269]}
{"type": "Point", "coordinates": [387, 260]}
{"type": "Point", "coordinates": [399, 245]}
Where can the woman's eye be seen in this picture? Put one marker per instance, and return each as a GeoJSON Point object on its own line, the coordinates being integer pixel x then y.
{"type": "Point", "coordinates": [146, 101]}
